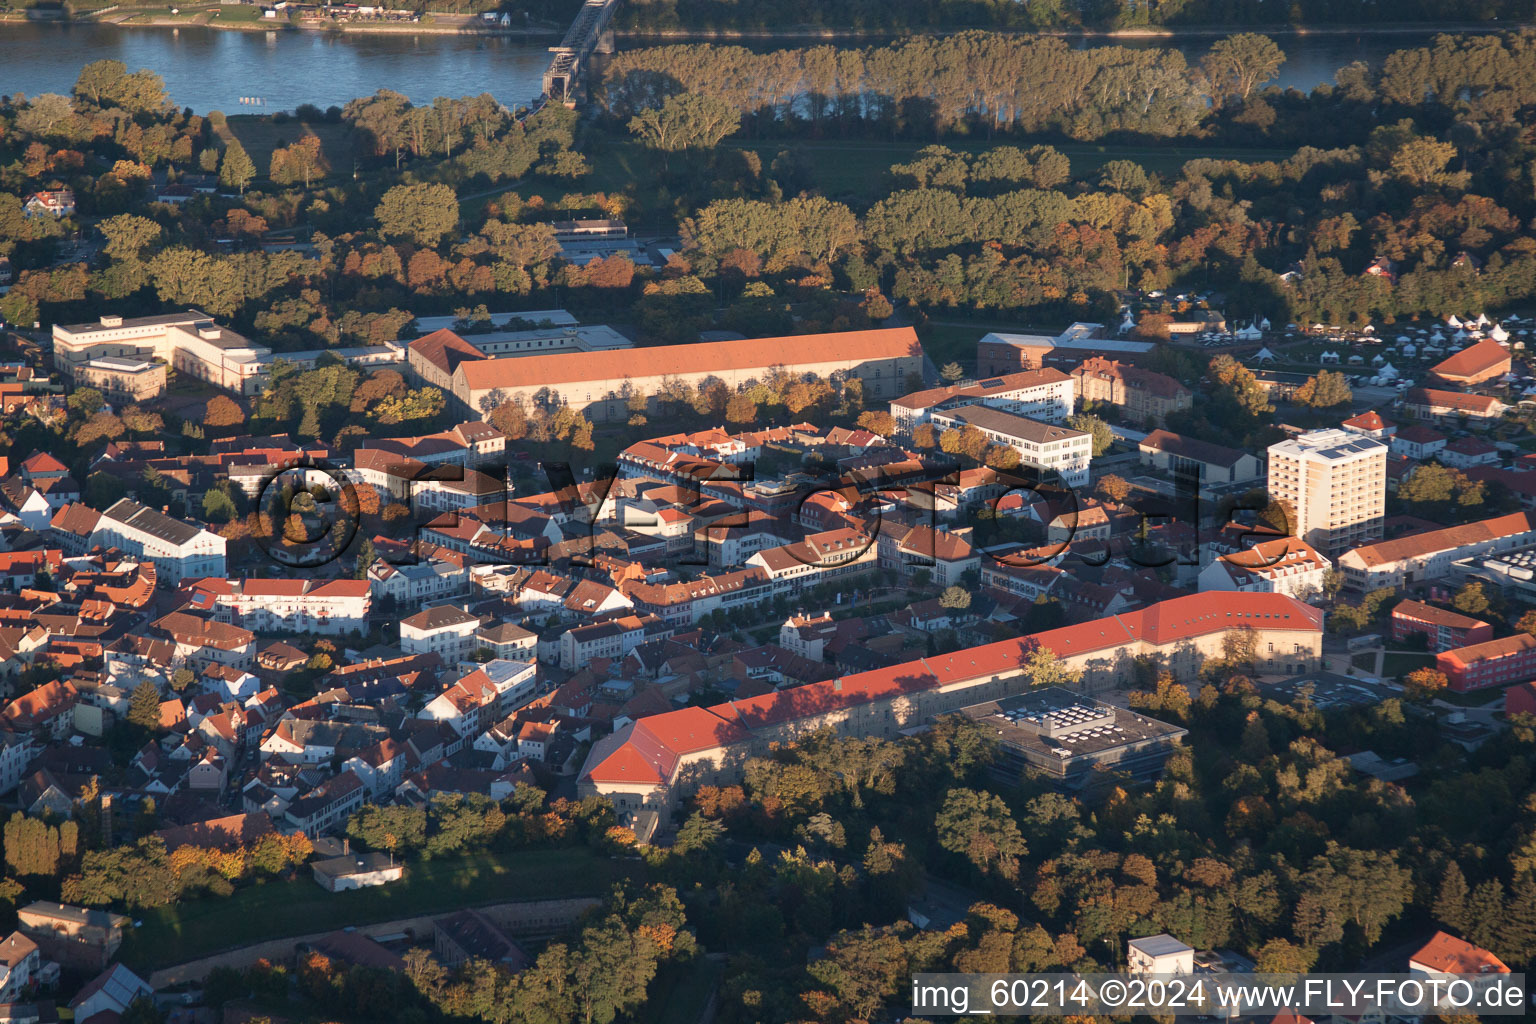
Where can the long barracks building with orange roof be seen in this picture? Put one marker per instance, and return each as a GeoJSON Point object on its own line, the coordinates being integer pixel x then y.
{"type": "Point", "coordinates": [657, 761]}
{"type": "Point", "coordinates": [595, 382]}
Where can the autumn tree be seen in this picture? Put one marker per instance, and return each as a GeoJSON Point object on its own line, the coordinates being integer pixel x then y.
{"type": "Point", "coordinates": [1472, 599]}
{"type": "Point", "coordinates": [1424, 683]}
{"type": "Point", "coordinates": [301, 161]}
{"type": "Point", "coordinates": [876, 422]}
{"type": "Point", "coordinates": [1103, 437]}
{"type": "Point", "coordinates": [685, 121]}
{"type": "Point", "coordinates": [1240, 385]}
{"type": "Point", "coordinates": [222, 411]}
{"type": "Point", "coordinates": [422, 212]}
{"type": "Point", "coordinates": [238, 169]}
{"type": "Point", "coordinates": [977, 825]}
{"type": "Point", "coordinates": [1239, 64]}
{"type": "Point", "coordinates": [1325, 390]}
{"type": "Point", "coordinates": [1115, 488]}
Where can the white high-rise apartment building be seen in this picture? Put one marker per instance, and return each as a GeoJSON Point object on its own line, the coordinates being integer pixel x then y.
{"type": "Point", "coordinates": [1336, 481]}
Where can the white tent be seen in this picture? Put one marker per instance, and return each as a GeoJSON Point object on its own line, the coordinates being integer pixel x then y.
{"type": "Point", "coordinates": [1462, 337]}
{"type": "Point", "coordinates": [1264, 355]}
{"type": "Point", "coordinates": [1368, 329]}
{"type": "Point", "coordinates": [1378, 359]}
{"type": "Point", "coordinates": [1264, 324]}
{"type": "Point", "coordinates": [1387, 372]}
{"type": "Point", "coordinates": [1249, 333]}
{"type": "Point", "coordinates": [1498, 333]}
{"type": "Point", "coordinates": [1410, 350]}
{"type": "Point", "coordinates": [1453, 320]}
{"type": "Point", "coordinates": [1403, 337]}
{"type": "Point", "coordinates": [1328, 357]}
{"type": "Point", "coordinates": [1482, 320]}
{"type": "Point", "coordinates": [1437, 338]}
{"type": "Point", "coordinates": [1356, 360]}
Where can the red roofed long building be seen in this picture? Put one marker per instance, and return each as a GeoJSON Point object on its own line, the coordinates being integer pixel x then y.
{"type": "Point", "coordinates": [1501, 662]}
{"type": "Point", "coordinates": [1428, 556]}
{"type": "Point", "coordinates": [655, 762]}
{"type": "Point", "coordinates": [591, 382]}
{"type": "Point", "coordinates": [1474, 364]}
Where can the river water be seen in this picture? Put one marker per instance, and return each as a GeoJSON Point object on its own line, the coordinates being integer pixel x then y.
{"type": "Point", "coordinates": [208, 69]}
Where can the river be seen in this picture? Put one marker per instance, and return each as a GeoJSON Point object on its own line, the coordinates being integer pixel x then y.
{"type": "Point", "coordinates": [209, 69]}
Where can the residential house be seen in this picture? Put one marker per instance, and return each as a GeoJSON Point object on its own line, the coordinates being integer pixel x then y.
{"type": "Point", "coordinates": [327, 806]}
{"type": "Point", "coordinates": [445, 630]}
{"type": "Point", "coordinates": [203, 642]}
{"type": "Point", "coordinates": [1418, 443]}
{"type": "Point", "coordinates": [1287, 565]}
{"type": "Point", "coordinates": [109, 994]}
{"type": "Point", "coordinates": [77, 936]}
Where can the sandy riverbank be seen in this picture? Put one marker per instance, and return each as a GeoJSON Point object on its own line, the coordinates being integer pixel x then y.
{"type": "Point", "coordinates": [807, 33]}
{"type": "Point", "coordinates": [442, 25]}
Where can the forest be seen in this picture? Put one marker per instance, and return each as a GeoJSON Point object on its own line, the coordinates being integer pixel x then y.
{"type": "Point", "coordinates": [899, 16]}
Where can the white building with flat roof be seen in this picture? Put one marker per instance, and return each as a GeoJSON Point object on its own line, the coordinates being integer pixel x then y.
{"type": "Point", "coordinates": [1335, 481]}
{"type": "Point", "coordinates": [190, 342]}
{"type": "Point", "coordinates": [1047, 447]}
{"type": "Point", "coordinates": [1159, 954]}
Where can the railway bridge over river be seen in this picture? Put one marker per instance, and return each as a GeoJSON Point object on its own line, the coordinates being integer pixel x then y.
{"type": "Point", "coordinates": [588, 34]}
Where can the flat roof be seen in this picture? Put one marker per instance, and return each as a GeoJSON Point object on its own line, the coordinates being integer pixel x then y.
{"type": "Point", "coordinates": [1032, 722]}
{"type": "Point", "coordinates": [123, 364]}
{"type": "Point", "coordinates": [190, 316]}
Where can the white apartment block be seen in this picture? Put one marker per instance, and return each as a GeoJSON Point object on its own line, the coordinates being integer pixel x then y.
{"type": "Point", "coordinates": [190, 342]}
{"type": "Point", "coordinates": [1336, 481]}
{"type": "Point", "coordinates": [179, 551]}
{"type": "Point", "coordinates": [328, 607]}
{"type": "Point", "coordinates": [1042, 446]}
{"type": "Point", "coordinates": [413, 585]}
{"type": "Point", "coordinates": [1046, 394]}
{"type": "Point", "coordinates": [612, 639]}
{"type": "Point", "coordinates": [444, 630]}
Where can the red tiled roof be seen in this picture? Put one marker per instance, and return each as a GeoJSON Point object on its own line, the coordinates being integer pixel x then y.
{"type": "Point", "coordinates": [1503, 647]}
{"type": "Point", "coordinates": [1421, 612]}
{"type": "Point", "coordinates": [706, 357]}
{"type": "Point", "coordinates": [1370, 420]}
{"type": "Point", "coordinates": [1473, 361]}
{"type": "Point", "coordinates": [1420, 544]}
{"type": "Point", "coordinates": [651, 751]}
{"type": "Point", "coordinates": [445, 350]}
{"type": "Point", "coordinates": [1430, 397]}
{"type": "Point", "coordinates": [1449, 955]}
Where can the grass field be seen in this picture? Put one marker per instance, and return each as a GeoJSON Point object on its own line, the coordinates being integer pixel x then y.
{"type": "Point", "coordinates": [188, 931]}
{"type": "Point", "coordinates": [260, 135]}
{"type": "Point", "coordinates": [679, 993]}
